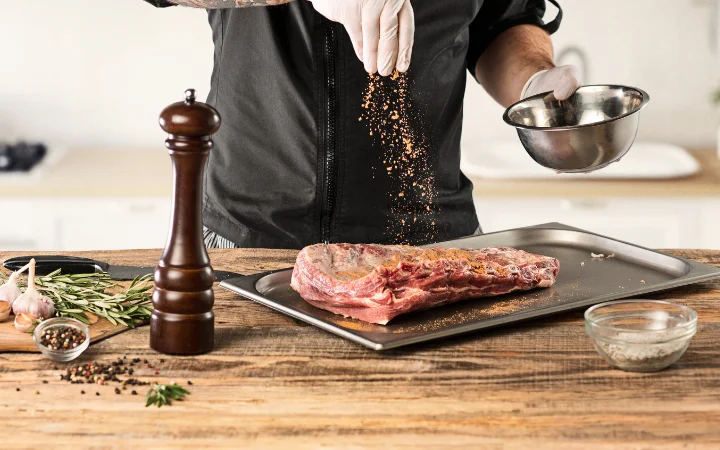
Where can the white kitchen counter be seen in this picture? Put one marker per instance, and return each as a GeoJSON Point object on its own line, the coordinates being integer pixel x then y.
{"type": "Point", "coordinates": [125, 173]}
{"type": "Point", "coordinates": [115, 199]}
{"type": "Point", "coordinates": [99, 173]}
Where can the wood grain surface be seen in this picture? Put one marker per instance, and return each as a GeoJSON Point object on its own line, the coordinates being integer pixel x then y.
{"type": "Point", "coordinates": [275, 383]}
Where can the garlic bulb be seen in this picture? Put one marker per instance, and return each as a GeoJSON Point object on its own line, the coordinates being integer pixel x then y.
{"type": "Point", "coordinates": [32, 301]}
{"type": "Point", "coordinates": [10, 291]}
{"type": "Point", "coordinates": [24, 322]}
{"type": "Point", "coordinates": [5, 309]}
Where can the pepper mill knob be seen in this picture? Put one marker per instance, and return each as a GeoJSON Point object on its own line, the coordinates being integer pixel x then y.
{"type": "Point", "coordinates": [182, 321]}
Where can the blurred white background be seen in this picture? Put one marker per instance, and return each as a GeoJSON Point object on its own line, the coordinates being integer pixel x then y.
{"type": "Point", "coordinates": [94, 75]}
{"type": "Point", "coordinates": [97, 72]}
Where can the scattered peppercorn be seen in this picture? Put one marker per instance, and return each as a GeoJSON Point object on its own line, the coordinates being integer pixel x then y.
{"type": "Point", "coordinates": [189, 383]}
{"type": "Point", "coordinates": [162, 360]}
{"type": "Point", "coordinates": [45, 382]}
{"type": "Point", "coordinates": [134, 392]}
{"type": "Point", "coordinates": [62, 338]}
{"type": "Point", "coordinates": [98, 394]}
{"type": "Point", "coordinates": [37, 392]}
{"type": "Point", "coordinates": [145, 361]}
{"type": "Point", "coordinates": [17, 389]}
{"type": "Point", "coordinates": [117, 391]}
{"type": "Point", "coordinates": [82, 392]}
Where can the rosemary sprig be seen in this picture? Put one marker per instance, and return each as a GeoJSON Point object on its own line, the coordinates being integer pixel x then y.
{"type": "Point", "coordinates": [164, 394]}
{"type": "Point", "coordinates": [74, 295]}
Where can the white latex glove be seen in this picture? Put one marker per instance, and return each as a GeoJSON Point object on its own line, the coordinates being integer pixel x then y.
{"type": "Point", "coordinates": [561, 81]}
{"type": "Point", "coordinates": [382, 31]}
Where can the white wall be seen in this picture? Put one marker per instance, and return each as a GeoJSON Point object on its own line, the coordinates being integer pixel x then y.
{"type": "Point", "coordinates": [98, 72]}
{"type": "Point", "coordinates": [661, 46]}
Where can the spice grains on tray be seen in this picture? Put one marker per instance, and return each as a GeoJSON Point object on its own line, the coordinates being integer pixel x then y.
{"type": "Point", "coordinates": [376, 283]}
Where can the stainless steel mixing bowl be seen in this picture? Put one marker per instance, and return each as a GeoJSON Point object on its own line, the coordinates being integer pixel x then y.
{"type": "Point", "coordinates": [594, 127]}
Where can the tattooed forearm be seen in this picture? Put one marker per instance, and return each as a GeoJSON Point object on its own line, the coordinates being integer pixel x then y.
{"type": "Point", "coordinates": [217, 4]}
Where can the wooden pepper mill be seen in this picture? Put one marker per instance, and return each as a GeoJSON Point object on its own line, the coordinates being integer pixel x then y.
{"type": "Point", "coordinates": [183, 322]}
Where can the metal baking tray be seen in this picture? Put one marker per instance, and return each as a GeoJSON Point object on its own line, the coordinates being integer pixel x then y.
{"type": "Point", "coordinates": [583, 281]}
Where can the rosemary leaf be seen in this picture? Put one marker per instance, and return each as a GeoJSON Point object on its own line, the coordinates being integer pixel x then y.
{"type": "Point", "coordinates": [161, 395]}
{"type": "Point", "coordinates": [76, 294]}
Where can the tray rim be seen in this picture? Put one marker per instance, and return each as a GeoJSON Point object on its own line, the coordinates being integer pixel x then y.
{"type": "Point", "coordinates": [245, 286]}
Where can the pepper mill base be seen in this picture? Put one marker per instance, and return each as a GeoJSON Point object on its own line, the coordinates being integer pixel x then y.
{"type": "Point", "coordinates": [182, 334]}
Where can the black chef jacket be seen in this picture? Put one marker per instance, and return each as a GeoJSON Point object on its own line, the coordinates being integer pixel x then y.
{"type": "Point", "coordinates": [293, 165]}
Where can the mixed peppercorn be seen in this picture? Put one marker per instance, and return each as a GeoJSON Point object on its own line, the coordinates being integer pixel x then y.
{"type": "Point", "coordinates": [102, 373]}
{"type": "Point", "coordinates": [107, 373]}
{"type": "Point", "coordinates": [62, 338]}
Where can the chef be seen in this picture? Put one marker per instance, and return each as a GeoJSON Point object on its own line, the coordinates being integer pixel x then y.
{"type": "Point", "coordinates": [293, 162]}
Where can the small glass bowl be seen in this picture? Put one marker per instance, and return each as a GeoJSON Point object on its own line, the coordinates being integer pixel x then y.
{"type": "Point", "coordinates": [641, 335]}
{"type": "Point", "coordinates": [61, 355]}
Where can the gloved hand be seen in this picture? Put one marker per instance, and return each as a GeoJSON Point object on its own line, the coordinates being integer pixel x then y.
{"type": "Point", "coordinates": [381, 31]}
{"type": "Point", "coordinates": [562, 81]}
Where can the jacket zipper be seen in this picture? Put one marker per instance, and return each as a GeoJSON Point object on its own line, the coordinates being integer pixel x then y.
{"type": "Point", "coordinates": [329, 172]}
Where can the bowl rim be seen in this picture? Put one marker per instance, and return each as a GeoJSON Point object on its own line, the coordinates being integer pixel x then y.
{"type": "Point", "coordinates": [645, 100]}
{"type": "Point", "coordinates": [59, 321]}
{"type": "Point", "coordinates": [684, 338]}
{"type": "Point", "coordinates": [689, 324]}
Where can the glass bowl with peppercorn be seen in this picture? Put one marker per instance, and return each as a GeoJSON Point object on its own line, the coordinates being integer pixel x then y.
{"type": "Point", "coordinates": [62, 339]}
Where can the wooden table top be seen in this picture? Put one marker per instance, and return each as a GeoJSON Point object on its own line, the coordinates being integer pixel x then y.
{"type": "Point", "coordinates": [276, 383]}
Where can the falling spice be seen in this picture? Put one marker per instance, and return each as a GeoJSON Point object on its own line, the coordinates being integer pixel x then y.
{"type": "Point", "coordinates": [394, 123]}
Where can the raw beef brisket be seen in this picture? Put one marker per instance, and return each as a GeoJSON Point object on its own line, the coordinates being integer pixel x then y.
{"type": "Point", "coordinates": [376, 283]}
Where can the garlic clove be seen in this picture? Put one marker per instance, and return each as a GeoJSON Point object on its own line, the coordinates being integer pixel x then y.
{"type": "Point", "coordinates": [92, 318]}
{"type": "Point", "coordinates": [9, 292]}
{"type": "Point", "coordinates": [34, 304]}
{"type": "Point", "coordinates": [32, 301]}
{"type": "Point", "coordinates": [25, 323]}
{"type": "Point", "coordinates": [5, 309]}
